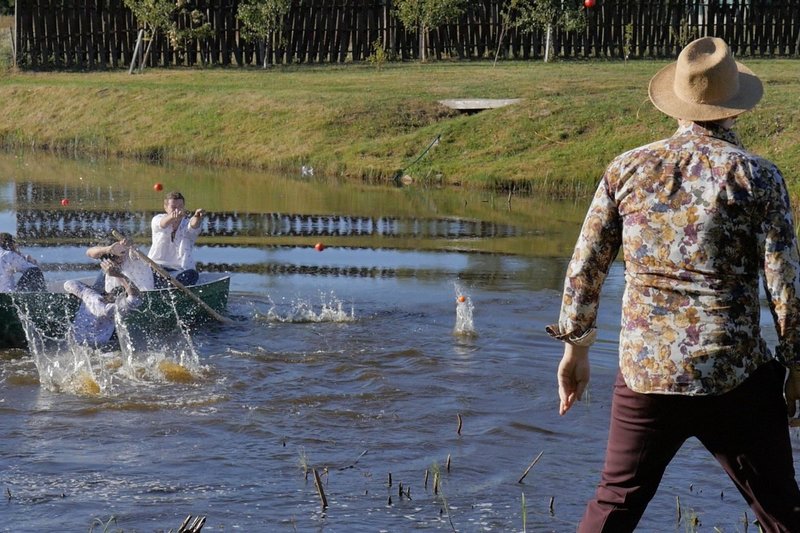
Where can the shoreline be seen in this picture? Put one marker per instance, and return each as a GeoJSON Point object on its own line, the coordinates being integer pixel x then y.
{"type": "Point", "coordinates": [360, 123]}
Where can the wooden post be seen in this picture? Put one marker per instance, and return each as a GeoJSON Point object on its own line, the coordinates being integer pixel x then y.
{"type": "Point", "coordinates": [136, 51]}
{"type": "Point", "coordinates": [14, 35]}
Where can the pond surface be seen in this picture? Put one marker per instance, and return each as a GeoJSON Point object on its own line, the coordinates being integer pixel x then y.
{"type": "Point", "coordinates": [417, 411]}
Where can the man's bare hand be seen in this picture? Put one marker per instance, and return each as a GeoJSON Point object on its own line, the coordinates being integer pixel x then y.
{"type": "Point", "coordinates": [573, 375]}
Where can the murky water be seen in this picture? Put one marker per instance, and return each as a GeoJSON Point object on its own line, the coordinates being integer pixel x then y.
{"type": "Point", "coordinates": [417, 410]}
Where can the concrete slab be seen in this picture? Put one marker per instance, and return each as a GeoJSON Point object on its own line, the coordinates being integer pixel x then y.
{"type": "Point", "coordinates": [478, 104]}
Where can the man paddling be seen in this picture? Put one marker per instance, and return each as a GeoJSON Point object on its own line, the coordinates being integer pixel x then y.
{"type": "Point", "coordinates": [122, 254]}
{"type": "Point", "coordinates": [174, 236]}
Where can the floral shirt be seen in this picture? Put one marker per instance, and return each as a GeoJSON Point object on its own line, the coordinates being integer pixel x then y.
{"type": "Point", "coordinates": [699, 220]}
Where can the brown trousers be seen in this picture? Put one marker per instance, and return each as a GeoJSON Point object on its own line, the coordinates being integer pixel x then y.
{"type": "Point", "coordinates": [745, 429]}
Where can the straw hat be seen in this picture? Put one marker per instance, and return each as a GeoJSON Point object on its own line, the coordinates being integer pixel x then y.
{"type": "Point", "coordinates": [705, 83]}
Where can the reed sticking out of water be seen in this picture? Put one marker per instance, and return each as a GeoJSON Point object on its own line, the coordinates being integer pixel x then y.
{"type": "Point", "coordinates": [353, 464]}
{"type": "Point", "coordinates": [320, 490]}
{"type": "Point", "coordinates": [447, 465]}
{"type": "Point", "coordinates": [304, 464]}
{"type": "Point", "coordinates": [195, 526]}
{"type": "Point", "coordinates": [524, 514]}
{"type": "Point", "coordinates": [460, 423]}
{"type": "Point", "coordinates": [552, 505]}
{"type": "Point", "coordinates": [525, 473]}
{"type": "Point", "coordinates": [389, 480]}
{"type": "Point", "coordinates": [425, 485]}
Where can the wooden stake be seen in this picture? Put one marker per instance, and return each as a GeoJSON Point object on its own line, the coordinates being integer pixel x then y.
{"type": "Point", "coordinates": [320, 490]}
{"type": "Point", "coordinates": [530, 466]}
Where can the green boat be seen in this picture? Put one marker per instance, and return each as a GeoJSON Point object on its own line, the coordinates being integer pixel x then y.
{"type": "Point", "coordinates": [52, 312]}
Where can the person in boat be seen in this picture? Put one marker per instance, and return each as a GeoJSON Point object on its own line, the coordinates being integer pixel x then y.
{"type": "Point", "coordinates": [699, 220]}
{"type": "Point", "coordinates": [174, 234]}
{"type": "Point", "coordinates": [122, 254]}
{"type": "Point", "coordinates": [12, 262]}
{"type": "Point", "coordinates": [95, 322]}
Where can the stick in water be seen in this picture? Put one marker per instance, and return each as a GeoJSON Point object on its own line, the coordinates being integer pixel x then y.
{"type": "Point", "coordinates": [530, 466]}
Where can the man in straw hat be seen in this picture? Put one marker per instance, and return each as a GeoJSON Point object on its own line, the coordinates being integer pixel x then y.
{"type": "Point", "coordinates": [698, 217]}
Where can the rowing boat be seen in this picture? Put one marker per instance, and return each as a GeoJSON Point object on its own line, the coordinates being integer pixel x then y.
{"type": "Point", "coordinates": [161, 310]}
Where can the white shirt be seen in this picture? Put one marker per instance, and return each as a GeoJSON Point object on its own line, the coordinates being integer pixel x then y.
{"type": "Point", "coordinates": [10, 264]}
{"type": "Point", "coordinates": [173, 251]}
{"type": "Point", "coordinates": [137, 271]}
{"type": "Point", "coordinates": [94, 322]}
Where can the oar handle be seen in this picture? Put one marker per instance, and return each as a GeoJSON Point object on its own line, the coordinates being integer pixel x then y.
{"type": "Point", "coordinates": [163, 273]}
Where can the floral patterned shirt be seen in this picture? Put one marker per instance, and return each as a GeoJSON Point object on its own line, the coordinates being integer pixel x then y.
{"type": "Point", "coordinates": [700, 220]}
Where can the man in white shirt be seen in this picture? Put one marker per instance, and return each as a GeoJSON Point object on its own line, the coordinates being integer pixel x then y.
{"type": "Point", "coordinates": [95, 321]}
{"type": "Point", "coordinates": [174, 236]}
{"type": "Point", "coordinates": [121, 253]}
{"type": "Point", "coordinates": [13, 262]}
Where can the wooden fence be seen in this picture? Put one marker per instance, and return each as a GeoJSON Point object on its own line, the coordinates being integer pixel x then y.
{"type": "Point", "coordinates": [92, 34]}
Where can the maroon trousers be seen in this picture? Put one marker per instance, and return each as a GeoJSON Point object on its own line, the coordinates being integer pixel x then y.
{"type": "Point", "coordinates": [745, 429]}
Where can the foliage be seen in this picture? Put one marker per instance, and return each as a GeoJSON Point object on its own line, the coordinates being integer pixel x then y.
{"type": "Point", "coordinates": [261, 18]}
{"type": "Point", "coordinates": [627, 45]}
{"type": "Point", "coordinates": [164, 15]}
{"type": "Point", "coordinates": [155, 14]}
{"type": "Point", "coordinates": [6, 7]}
{"type": "Point", "coordinates": [379, 56]}
{"type": "Point", "coordinates": [683, 33]}
{"type": "Point", "coordinates": [529, 15]}
{"type": "Point", "coordinates": [539, 14]}
{"type": "Point", "coordinates": [427, 14]}
{"type": "Point", "coordinates": [198, 25]}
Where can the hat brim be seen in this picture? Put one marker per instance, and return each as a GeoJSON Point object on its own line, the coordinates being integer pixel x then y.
{"type": "Point", "coordinates": [664, 98]}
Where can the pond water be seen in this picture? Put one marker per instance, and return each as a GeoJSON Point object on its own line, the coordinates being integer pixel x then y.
{"type": "Point", "coordinates": [417, 411]}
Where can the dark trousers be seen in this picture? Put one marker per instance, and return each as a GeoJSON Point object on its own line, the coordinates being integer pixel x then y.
{"type": "Point", "coordinates": [746, 430]}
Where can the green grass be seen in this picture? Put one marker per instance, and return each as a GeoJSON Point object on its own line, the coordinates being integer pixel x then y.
{"type": "Point", "coordinates": [359, 122]}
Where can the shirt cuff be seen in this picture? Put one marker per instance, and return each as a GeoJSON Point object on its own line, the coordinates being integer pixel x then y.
{"type": "Point", "coordinates": [577, 338]}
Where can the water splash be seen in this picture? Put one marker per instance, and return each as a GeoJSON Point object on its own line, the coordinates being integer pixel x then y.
{"type": "Point", "coordinates": [464, 326]}
{"type": "Point", "coordinates": [65, 365]}
{"type": "Point", "coordinates": [331, 309]}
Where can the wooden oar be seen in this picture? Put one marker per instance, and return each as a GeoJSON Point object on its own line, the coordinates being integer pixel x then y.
{"type": "Point", "coordinates": [164, 274]}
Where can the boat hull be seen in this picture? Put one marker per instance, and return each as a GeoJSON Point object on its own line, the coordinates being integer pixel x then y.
{"type": "Point", "coordinates": [160, 311]}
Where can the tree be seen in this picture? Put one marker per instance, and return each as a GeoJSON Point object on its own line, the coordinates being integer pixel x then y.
{"type": "Point", "coordinates": [260, 20]}
{"type": "Point", "coordinates": [547, 14]}
{"type": "Point", "coordinates": [163, 15]}
{"type": "Point", "coordinates": [426, 14]}
{"type": "Point", "coordinates": [153, 15]}
{"type": "Point", "coordinates": [6, 7]}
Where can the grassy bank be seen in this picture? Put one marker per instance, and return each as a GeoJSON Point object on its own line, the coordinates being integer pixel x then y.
{"type": "Point", "coordinates": [360, 122]}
